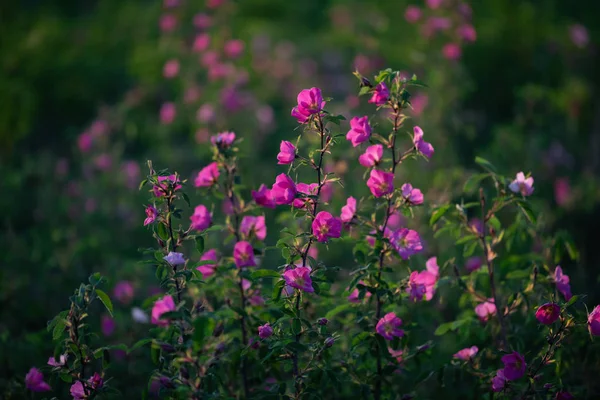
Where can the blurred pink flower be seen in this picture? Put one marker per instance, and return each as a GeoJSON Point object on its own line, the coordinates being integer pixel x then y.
{"type": "Point", "coordinates": [284, 190]}
{"type": "Point", "coordinates": [201, 219]}
{"type": "Point", "coordinates": [514, 366]}
{"type": "Point", "coordinates": [473, 264]}
{"type": "Point", "coordinates": [214, 3]}
{"type": "Point", "coordinates": [562, 191]}
{"type": "Point", "coordinates": [84, 142]}
{"type": "Point", "coordinates": [349, 210]}
{"type": "Point", "coordinates": [421, 145]}
{"type": "Point", "coordinates": [360, 130]}
{"type": "Point", "coordinates": [161, 306]}
{"type": "Point", "coordinates": [562, 283]}
{"type": "Point", "coordinates": [171, 69]}
{"type": "Point", "coordinates": [579, 35]}
{"type": "Point", "coordinates": [123, 292]}
{"type": "Point", "coordinates": [34, 381]}
{"type": "Point", "coordinates": [202, 135]}
{"type": "Point", "coordinates": [434, 4]}
{"type": "Point", "coordinates": [412, 196]}
{"type": "Point", "coordinates": [202, 21]}
{"type": "Point", "coordinates": [287, 153]}
{"type": "Point", "coordinates": [499, 381]}
{"type": "Point", "coordinates": [418, 102]}
{"type": "Point", "coordinates": [485, 309]}
{"type": "Point", "coordinates": [170, 3]}
{"type": "Point", "coordinates": [264, 197]}
{"type": "Point", "coordinates": [168, 22]}
{"type": "Point", "coordinates": [380, 95]}
{"type": "Point", "coordinates": [353, 298]}
{"type": "Point", "coordinates": [254, 226]}
{"type": "Point", "coordinates": [467, 353]}
{"type": "Point", "coordinates": [167, 113]}
{"type": "Point", "coordinates": [547, 313]}
{"type": "Point", "coordinates": [522, 185]}
{"type": "Point", "coordinates": [467, 32]}
{"type": "Point", "coordinates": [209, 58]}
{"type": "Point", "coordinates": [201, 42]}
{"type": "Point", "coordinates": [233, 48]}
{"type": "Point", "coordinates": [372, 156]}
{"type": "Point", "coordinates": [103, 162]}
{"type": "Point", "coordinates": [208, 269]}
{"type": "Point", "coordinates": [108, 325]}
{"type": "Point", "coordinates": [207, 176]}
{"type": "Point", "coordinates": [412, 14]}
{"type": "Point", "coordinates": [594, 321]}
{"type": "Point", "coordinates": [206, 113]}
{"type": "Point", "coordinates": [451, 51]}
{"type": "Point", "coordinates": [265, 331]}
{"type": "Point", "coordinates": [406, 242]}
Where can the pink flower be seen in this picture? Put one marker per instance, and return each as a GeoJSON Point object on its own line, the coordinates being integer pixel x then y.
{"type": "Point", "coordinates": [108, 325]}
{"type": "Point", "coordinates": [547, 313]}
{"type": "Point", "coordinates": [562, 283]}
{"type": "Point", "coordinates": [299, 278]}
{"type": "Point", "coordinates": [84, 142]}
{"type": "Point", "coordinates": [206, 113]}
{"type": "Point", "coordinates": [579, 35]}
{"type": "Point", "coordinates": [467, 32]}
{"type": "Point", "coordinates": [62, 361]}
{"type": "Point", "coordinates": [372, 156]}
{"type": "Point", "coordinates": [284, 190]}
{"type": "Point", "coordinates": [167, 113]}
{"type": "Point", "coordinates": [77, 391]}
{"type": "Point", "coordinates": [380, 95]}
{"type": "Point", "coordinates": [310, 102]}
{"type": "Point", "coordinates": [123, 292]}
{"type": "Point", "coordinates": [170, 3]}
{"type": "Point", "coordinates": [201, 42]}
{"type": "Point", "coordinates": [287, 153]}
{"type": "Point", "coordinates": [214, 3]}
{"type": "Point", "coordinates": [34, 381]}
{"type": "Point", "coordinates": [208, 269]}
{"type": "Point", "coordinates": [397, 354]}
{"type": "Point", "coordinates": [353, 298]}
{"type": "Point", "coordinates": [223, 140]}
{"type": "Point", "coordinates": [252, 225]}
{"type": "Point", "coordinates": [243, 254]}
{"type": "Point", "coordinates": [171, 69]}
{"type": "Point", "coordinates": [164, 184]}
{"type": "Point", "coordinates": [466, 354]}
{"type": "Point", "coordinates": [594, 321]}
{"type": "Point", "coordinates": [412, 14]}
{"type": "Point", "coordinates": [562, 191]}
{"type": "Point", "coordinates": [412, 196]}
{"type": "Point", "coordinates": [434, 4]}
{"type": "Point", "coordinates": [306, 190]}
{"type": "Point", "coordinates": [499, 381]}
{"type": "Point", "coordinates": [360, 130]}
{"type": "Point", "coordinates": [485, 309]}
{"type": "Point", "coordinates": [418, 103]}
{"type": "Point", "coordinates": [174, 259]}
{"type": "Point", "coordinates": [389, 326]}
{"type": "Point", "coordinates": [264, 197]}
{"type": "Point", "coordinates": [202, 21]}
{"type": "Point", "coordinates": [151, 214]}
{"type": "Point", "coordinates": [422, 284]}
{"type": "Point", "coordinates": [161, 306]}
{"type": "Point", "coordinates": [167, 22]}
{"type": "Point", "coordinates": [233, 48]}
{"type": "Point", "coordinates": [326, 226]}
{"type": "Point", "coordinates": [201, 219]}
{"type": "Point", "coordinates": [406, 242]}
{"type": "Point", "coordinates": [265, 331]}
{"type": "Point", "coordinates": [349, 210]}
{"type": "Point", "coordinates": [522, 185]}
{"type": "Point", "coordinates": [473, 264]}
{"type": "Point", "coordinates": [103, 162]}
{"type": "Point", "coordinates": [451, 51]}
{"type": "Point", "coordinates": [380, 183]}
{"type": "Point", "coordinates": [422, 146]}
{"type": "Point", "coordinates": [514, 366]}
{"type": "Point", "coordinates": [208, 175]}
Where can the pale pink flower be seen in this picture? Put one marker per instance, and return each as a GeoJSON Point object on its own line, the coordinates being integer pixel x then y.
{"type": "Point", "coordinates": [349, 210]}
{"type": "Point", "coordinates": [467, 353]}
{"type": "Point", "coordinates": [161, 306]}
{"type": "Point", "coordinates": [522, 185]}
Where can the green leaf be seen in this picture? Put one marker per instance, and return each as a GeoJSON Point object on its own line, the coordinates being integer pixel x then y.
{"type": "Point", "coordinates": [335, 311]}
{"type": "Point", "coordinates": [473, 182]}
{"type": "Point", "coordinates": [438, 213]}
{"type": "Point", "coordinates": [296, 326]}
{"type": "Point", "coordinates": [95, 279]}
{"type": "Point", "coordinates": [277, 290]}
{"type": "Point", "coordinates": [140, 343]}
{"type": "Point", "coordinates": [485, 164]}
{"type": "Point", "coordinates": [200, 244]}
{"type": "Point", "coordinates": [265, 273]}
{"type": "Point", "coordinates": [59, 328]}
{"type": "Point", "coordinates": [469, 249]}
{"type": "Point", "coordinates": [186, 198]}
{"type": "Point", "coordinates": [105, 300]}
{"type": "Point", "coordinates": [527, 211]}
{"type": "Point", "coordinates": [450, 326]}
{"type": "Point", "coordinates": [161, 231]}
{"type": "Point", "coordinates": [203, 327]}
{"type": "Point", "coordinates": [518, 274]}
{"type": "Point", "coordinates": [572, 301]}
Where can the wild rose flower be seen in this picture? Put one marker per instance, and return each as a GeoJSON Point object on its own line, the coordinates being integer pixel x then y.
{"type": "Point", "coordinates": [451, 51]}
{"type": "Point", "coordinates": [412, 195]}
{"type": "Point", "coordinates": [562, 283]}
{"type": "Point", "coordinates": [108, 325]}
{"type": "Point", "coordinates": [485, 309]}
{"type": "Point", "coordinates": [380, 96]}
{"type": "Point", "coordinates": [326, 226]}
{"type": "Point", "coordinates": [353, 298]}
{"type": "Point", "coordinates": [389, 326]}
{"type": "Point", "coordinates": [151, 214]}
{"type": "Point", "coordinates": [34, 381]}
{"type": "Point", "coordinates": [421, 145]}
{"type": "Point", "coordinates": [473, 264]}
{"type": "Point", "coordinates": [412, 14]}
{"type": "Point", "coordinates": [243, 254]}
{"type": "Point", "coordinates": [287, 153]}
{"type": "Point", "coordinates": [360, 130]}
{"type": "Point", "coordinates": [167, 22]}
{"type": "Point", "coordinates": [174, 258]}
{"type": "Point", "coordinates": [205, 113]}
{"type": "Point", "coordinates": [252, 225]}
{"type": "Point", "coordinates": [380, 183]}
{"type": "Point", "coordinates": [161, 306]}
{"type": "Point", "coordinates": [372, 156]}
{"type": "Point", "coordinates": [406, 242]}
{"type": "Point", "coordinates": [306, 190]}
{"type": "Point", "coordinates": [264, 197]}
{"type": "Point", "coordinates": [397, 354]}
{"type": "Point", "coordinates": [265, 331]}
{"type": "Point", "coordinates": [284, 190]}
{"type": "Point", "coordinates": [310, 102]}
{"type": "Point", "coordinates": [62, 361]}
{"type": "Point", "coordinates": [594, 321]}
{"type": "Point", "coordinates": [467, 353]}
{"type": "Point", "coordinates": [167, 113]}
{"type": "Point", "coordinates": [233, 48]}
{"type": "Point", "coordinates": [499, 381]}
{"type": "Point", "coordinates": [208, 175]}
{"type": "Point", "coordinates": [522, 185]}
{"type": "Point", "coordinates": [467, 32]}
{"type": "Point", "coordinates": [579, 35]}
{"type": "Point", "coordinates": [422, 284]}
{"type": "Point", "coordinates": [299, 278]}
{"type": "Point", "coordinates": [96, 381]}
{"type": "Point", "coordinates": [77, 391]}
{"type": "Point", "coordinates": [201, 42]}
{"type": "Point", "coordinates": [208, 269]}
{"type": "Point", "coordinates": [547, 313]}
{"type": "Point", "coordinates": [171, 69]}
{"type": "Point", "coordinates": [202, 21]}
{"type": "Point", "coordinates": [163, 185]}
{"type": "Point", "coordinates": [201, 219]}
{"type": "Point", "coordinates": [434, 4]}
{"type": "Point", "coordinates": [514, 366]}
{"type": "Point", "coordinates": [349, 210]}
{"type": "Point", "coordinates": [223, 140]}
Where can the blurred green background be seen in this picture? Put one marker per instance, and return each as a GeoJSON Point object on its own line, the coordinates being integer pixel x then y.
{"type": "Point", "coordinates": [86, 99]}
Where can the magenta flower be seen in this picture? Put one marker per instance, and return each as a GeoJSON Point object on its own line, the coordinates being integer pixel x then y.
{"type": "Point", "coordinates": [108, 325]}
{"type": "Point", "coordinates": [167, 113]}
{"type": "Point", "coordinates": [201, 219]}
{"type": "Point", "coordinates": [349, 210]}
{"type": "Point", "coordinates": [208, 269]}
{"type": "Point", "coordinates": [233, 48]}
{"type": "Point", "coordinates": [284, 190]}
{"type": "Point", "coordinates": [473, 264]}
{"type": "Point", "coordinates": [422, 284]}
{"type": "Point", "coordinates": [84, 142]}
{"type": "Point", "coordinates": [522, 185]}
{"type": "Point", "coordinates": [223, 140]}
{"type": "Point", "coordinates": [34, 381]}
{"type": "Point", "coordinates": [161, 306]}
{"type": "Point", "coordinates": [594, 321]}
{"type": "Point", "coordinates": [380, 95]}
{"type": "Point", "coordinates": [380, 182]}
{"type": "Point", "coordinates": [389, 326]}
{"type": "Point", "coordinates": [326, 226]}
{"type": "Point", "coordinates": [372, 156]}
{"type": "Point", "coordinates": [171, 69]}
{"type": "Point", "coordinates": [360, 130]}
{"type": "Point", "coordinates": [201, 42]}
{"type": "Point", "coordinates": [467, 32]}
{"type": "Point", "coordinates": [310, 102]}
{"type": "Point", "coordinates": [412, 14]}
{"type": "Point", "coordinates": [265, 331]}
{"type": "Point", "coordinates": [562, 395]}
{"type": "Point", "coordinates": [151, 214]}
{"type": "Point", "coordinates": [434, 4]}
{"type": "Point", "coordinates": [163, 185]}
{"type": "Point", "coordinates": [499, 381]}
{"type": "Point", "coordinates": [547, 313]}
{"type": "Point", "coordinates": [412, 195]}
{"type": "Point", "coordinates": [243, 254]}
{"type": "Point", "coordinates": [252, 225]}
{"type": "Point", "coordinates": [422, 146]}
{"type": "Point", "coordinates": [202, 21]}
{"type": "Point", "coordinates": [174, 259]}
{"type": "Point", "coordinates": [579, 35]}
{"type": "Point", "coordinates": [264, 197]}
{"type": "Point", "coordinates": [467, 353]}
{"type": "Point", "coordinates": [514, 366]}
{"type": "Point", "coordinates": [77, 391]}
{"type": "Point", "coordinates": [406, 242]}
{"type": "Point", "coordinates": [452, 51]}
{"type": "Point", "coordinates": [207, 176]}
{"type": "Point", "coordinates": [62, 361]}
{"type": "Point", "coordinates": [287, 153]}
{"type": "Point", "coordinates": [307, 190]}
{"type": "Point", "coordinates": [562, 283]}
{"type": "Point", "coordinates": [485, 309]}
{"type": "Point", "coordinates": [123, 292]}
{"type": "Point", "coordinates": [397, 354]}
{"type": "Point", "coordinates": [299, 278]}
{"type": "Point", "coordinates": [167, 22]}
{"type": "Point", "coordinates": [353, 298]}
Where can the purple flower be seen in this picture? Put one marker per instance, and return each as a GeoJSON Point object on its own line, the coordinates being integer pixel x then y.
{"type": "Point", "coordinates": [287, 153]}
{"type": "Point", "coordinates": [299, 278]}
{"type": "Point", "coordinates": [207, 176]}
{"type": "Point", "coordinates": [349, 210]}
{"type": "Point", "coordinates": [594, 321]}
{"type": "Point", "coordinates": [467, 353]}
{"type": "Point", "coordinates": [161, 306]}
{"type": "Point", "coordinates": [108, 325]}
{"type": "Point", "coordinates": [499, 381]}
{"type": "Point", "coordinates": [360, 130]}
{"type": "Point", "coordinates": [562, 395]}
{"type": "Point", "coordinates": [522, 185]}
{"type": "Point", "coordinates": [372, 156]}
{"type": "Point", "coordinates": [265, 331]}
{"type": "Point", "coordinates": [264, 197]}
{"type": "Point", "coordinates": [306, 190]}
{"type": "Point", "coordinates": [380, 95]}
{"type": "Point", "coordinates": [467, 32]}
{"type": "Point", "coordinates": [223, 140]}
{"type": "Point", "coordinates": [380, 182]}
{"type": "Point", "coordinates": [547, 313]}
{"type": "Point", "coordinates": [389, 326]}
{"type": "Point", "coordinates": [243, 254]}
{"type": "Point", "coordinates": [421, 145]}
{"type": "Point", "coordinates": [77, 391]}
{"type": "Point", "coordinates": [62, 361]}
{"type": "Point", "coordinates": [171, 180]}
{"type": "Point", "coordinates": [329, 341]}
{"type": "Point", "coordinates": [406, 242]}
{"type": "Point", "coordinates": [514, 366]}
{"type": "Point", "coordinates": [233, 48]}
{"type": "Point", "coordinates": [473, 264]}
{"type": "Point", "coordinates": [174, 259]}
{"type": "Point", "coordinates": [310, 102]}
{"type": "Point", "coordinates": [284, 190]}
{"type": "Point", "coordinates": [326, 226]}
{"type": "Point", "coordinates": [579, 35]}
{"type": "Point", "coordinates": [322, 321]}
{"type": "Point", "coordinates": [208, 269]}
{"type": "Point", "coordinates": [201, 219]}
{"type": "Point", "coordinates": [411, 195]}
{"type": "Point", "coordinates": [562, 283]}
{"type": "Point", "coordinates": [252, 225]}
{"type": "Point", "coordinates": [167, 113]}
{"type": "Point", "coordinates": [34, 381]}
{"type": "Point", "coordinates": [151, 214]}
{"type": "Point", "coordinates": [485, 309]}
{"type": "Point", "coordinates": [123, 292]}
